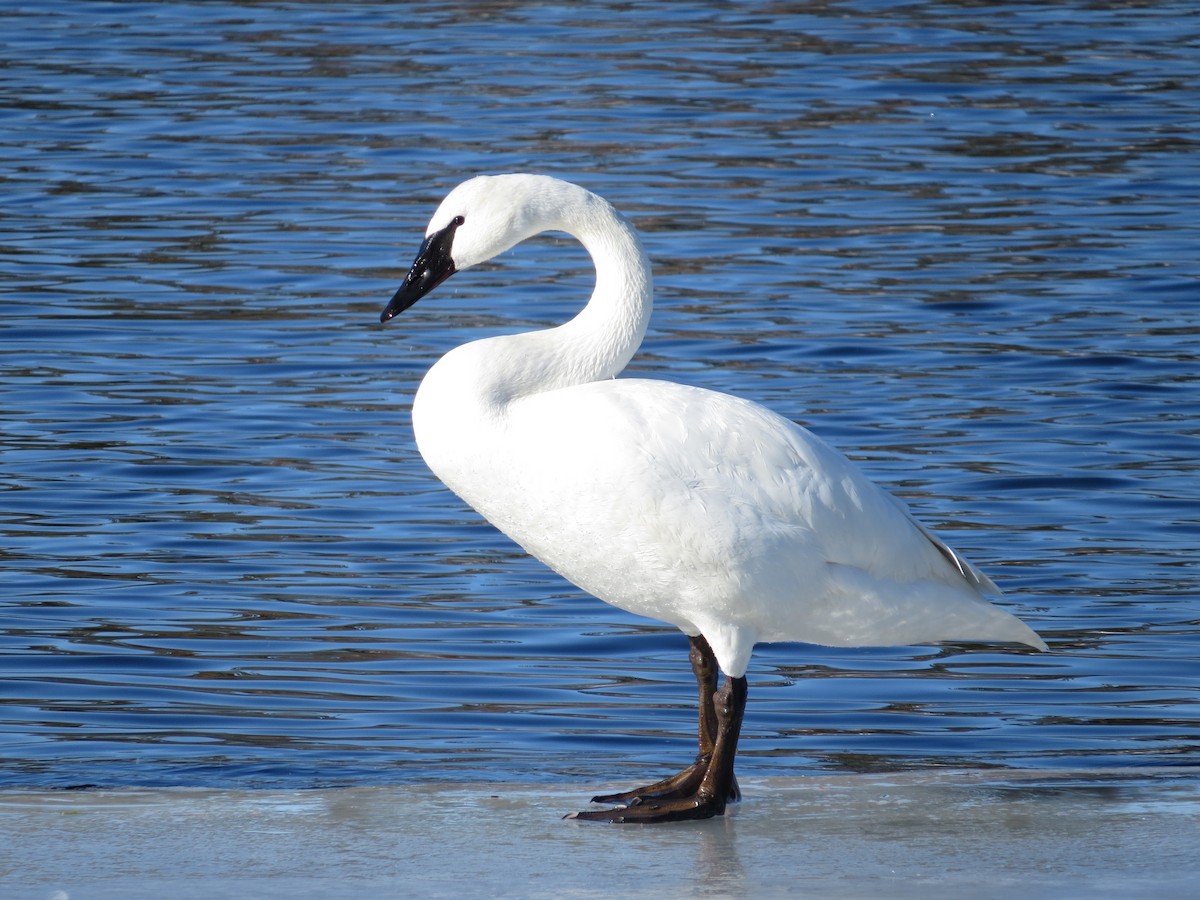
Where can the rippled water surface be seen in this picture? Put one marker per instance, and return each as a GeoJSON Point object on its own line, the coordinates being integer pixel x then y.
{"type": "Point", "coordinates": [958, 240]}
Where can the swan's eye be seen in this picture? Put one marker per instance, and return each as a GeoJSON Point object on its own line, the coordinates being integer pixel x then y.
{"type": "Point", "coordinates": [457, 220]}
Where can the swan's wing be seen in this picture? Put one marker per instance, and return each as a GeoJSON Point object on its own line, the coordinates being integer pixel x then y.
{"type": "Point", "coordinates": [694, 508]}
{"type": "Point", "coordinates": [679, 465]}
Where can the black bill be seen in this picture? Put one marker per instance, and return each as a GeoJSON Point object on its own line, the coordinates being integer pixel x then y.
{"type": "Point", "coordinates": [432, 266]}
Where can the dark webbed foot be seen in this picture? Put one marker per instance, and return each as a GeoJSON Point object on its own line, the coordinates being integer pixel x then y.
{"type": "Point", "coordinates": [700, 791]}
{"type": "Point", "coordinates": [650, 811]}
{"type": "Point", "coordinates": [677, 787]}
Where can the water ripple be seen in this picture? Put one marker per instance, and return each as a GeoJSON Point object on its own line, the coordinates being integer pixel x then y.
{"type": "Point", "coordinates": [957, 240]}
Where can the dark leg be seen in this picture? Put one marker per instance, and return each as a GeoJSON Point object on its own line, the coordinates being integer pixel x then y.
{"type": "Point", "coordinates": [684, 784]}
{"type": "Point", "coordinates": [716, 783]}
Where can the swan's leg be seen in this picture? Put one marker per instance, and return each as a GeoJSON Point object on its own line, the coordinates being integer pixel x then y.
{"type": "Point", "coordinates": [685, 783]}
{"type": "Point", "coordinates": [717, 783]}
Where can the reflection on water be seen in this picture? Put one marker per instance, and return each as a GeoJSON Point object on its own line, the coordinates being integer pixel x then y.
{"type": "Point", "coordinates": [959, 244]}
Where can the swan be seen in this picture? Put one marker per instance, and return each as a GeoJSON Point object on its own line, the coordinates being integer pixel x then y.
{"type": "Point", "coordinates": [692, 507]}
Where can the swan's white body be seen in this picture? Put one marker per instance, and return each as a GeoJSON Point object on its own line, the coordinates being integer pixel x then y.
{"type": "Point", "coordinates": [685, 505]}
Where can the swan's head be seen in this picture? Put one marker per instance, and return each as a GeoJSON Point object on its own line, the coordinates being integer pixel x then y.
{"type": "Point", "coordinates": [482, 218]}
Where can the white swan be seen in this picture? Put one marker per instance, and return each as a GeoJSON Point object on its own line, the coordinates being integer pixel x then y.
{"type": "Point", "coordinates": [677, 503]}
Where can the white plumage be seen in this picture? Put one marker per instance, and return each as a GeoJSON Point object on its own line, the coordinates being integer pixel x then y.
{"type": "Point", "coordinates": [692, 507]}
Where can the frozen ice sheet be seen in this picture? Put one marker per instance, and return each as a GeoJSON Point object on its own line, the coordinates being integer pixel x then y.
{"type": "Point", "coordinates": [934, 834]}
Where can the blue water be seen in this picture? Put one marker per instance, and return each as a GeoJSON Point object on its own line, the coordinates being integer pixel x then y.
{"type": "Point", "coordinates": [957, 240]}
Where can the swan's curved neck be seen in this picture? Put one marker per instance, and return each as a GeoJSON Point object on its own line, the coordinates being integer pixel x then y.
{"type": "Point", "coordinates": [602, 338]}
{"type": "Point", "coordinates": [598, 342]}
